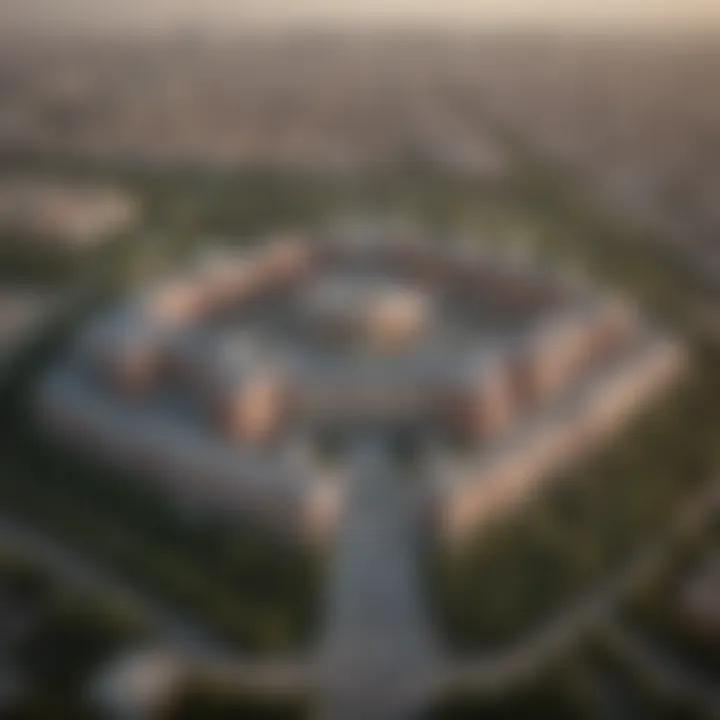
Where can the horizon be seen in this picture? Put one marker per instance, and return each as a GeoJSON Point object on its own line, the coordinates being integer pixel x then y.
{"type": "Point", "coordinates": [80, 16]}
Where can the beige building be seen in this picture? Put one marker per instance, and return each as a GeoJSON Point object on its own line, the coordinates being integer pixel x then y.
{"type": "Point", "coordinates": [251, 409]}
{"type": "Point", "coordinates": [43, 208]}
{"type": "Point", "coordinates": [202, 381]}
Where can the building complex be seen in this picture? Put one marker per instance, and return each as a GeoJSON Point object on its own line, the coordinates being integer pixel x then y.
{"type": "Point", "coordinates": [237, 383]}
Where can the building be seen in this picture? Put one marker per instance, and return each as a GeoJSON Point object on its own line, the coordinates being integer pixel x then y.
{"type": "Point", "coordinates": [205, 381]}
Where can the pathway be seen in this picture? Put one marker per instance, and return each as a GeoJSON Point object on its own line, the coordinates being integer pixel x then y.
{"type": "Point", "coordinates": [377, 655]}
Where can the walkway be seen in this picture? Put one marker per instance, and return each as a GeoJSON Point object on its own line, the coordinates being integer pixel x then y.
{"type": "Point", "coordinates": [377, 655]}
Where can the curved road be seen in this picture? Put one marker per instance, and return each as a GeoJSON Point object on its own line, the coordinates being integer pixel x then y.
{"type": "Point", "coordinates": [179, 632]}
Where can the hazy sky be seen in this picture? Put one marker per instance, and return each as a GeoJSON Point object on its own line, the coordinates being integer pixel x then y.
{"type": "Point", "coordinates": [158, 13]}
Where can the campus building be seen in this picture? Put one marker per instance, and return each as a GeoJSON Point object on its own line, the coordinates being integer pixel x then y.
{"type": "Point", "coordinates": [205, 381]}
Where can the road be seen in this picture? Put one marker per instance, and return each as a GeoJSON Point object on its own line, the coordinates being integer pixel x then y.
{"type": "Point", "coordinates": [503, 669]}
{"type": "Point", "coordinates": [178, 632]}
{"type": "Point", "coordinates": [377, 656]}
{"type": "Point", "coordinates": [377, 652]}
{"type": "Point", "coordinates": [664, 673]}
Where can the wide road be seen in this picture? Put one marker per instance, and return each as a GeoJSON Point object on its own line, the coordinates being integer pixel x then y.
{"type": "Point", "coordinates": [377, 651]}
